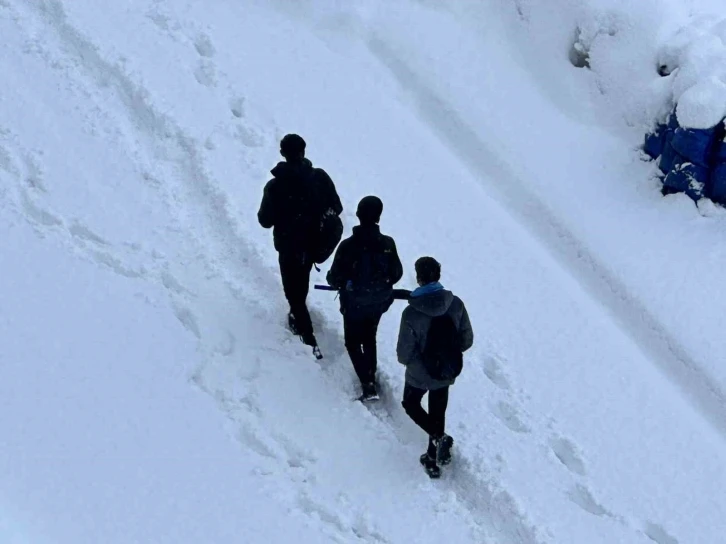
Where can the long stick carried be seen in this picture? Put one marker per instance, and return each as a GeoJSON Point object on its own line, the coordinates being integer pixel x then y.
{"type": "Point", "coordinates": [398, 294]}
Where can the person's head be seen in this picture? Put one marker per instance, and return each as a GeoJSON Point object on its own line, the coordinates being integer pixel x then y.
{"type": "Point", "coordinates": [428, 270]}
{"type": "Point", "coordinates": [292, 147]}
{"type": "Point", "coordinates": [369, 210]}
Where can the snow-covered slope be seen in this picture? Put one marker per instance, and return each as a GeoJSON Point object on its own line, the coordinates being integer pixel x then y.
{"type": "Point", "coordinates": [149, 391]}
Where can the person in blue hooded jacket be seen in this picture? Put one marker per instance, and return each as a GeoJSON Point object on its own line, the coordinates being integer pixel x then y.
{"type": "Point", "coordinates": [428, 301]}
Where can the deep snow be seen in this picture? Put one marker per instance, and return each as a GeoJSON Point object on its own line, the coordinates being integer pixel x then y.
{"type": "Point", "coordinates": [149, 390]}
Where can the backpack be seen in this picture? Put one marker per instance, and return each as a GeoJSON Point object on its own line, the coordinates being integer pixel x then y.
{"type": "Point", "coordinates": [368, 290]}
{"type": "Point", "coordinates": [442, 355]}
{"type": "Point", "coordinates": [331, 231]}
{"type": "Point", "coordinates": [370, 271]}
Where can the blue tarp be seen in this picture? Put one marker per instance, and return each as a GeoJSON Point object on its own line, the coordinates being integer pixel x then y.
{"type": "Point", "coordinates": [693, 160]}
{"type": "Point", "coordinates": [718, 183]}
{"type": "Point", "coordinates": [669, 156]}
{"type": "Point", "coordinates": [719, 154]}
{"type": "Point", "coordinates": [696, 145]}
{"type": "Point", "coordinates": [654, 142]}
{"type": "Point", "coordinates": [688, 177]}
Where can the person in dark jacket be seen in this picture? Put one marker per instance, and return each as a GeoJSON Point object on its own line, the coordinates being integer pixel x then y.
{"type": "Point", "coordinates": [365, 268]}
{"type": "Point", "coordinates": [294, 202]}
{"type": "Point", "coordinates": [425, 303]}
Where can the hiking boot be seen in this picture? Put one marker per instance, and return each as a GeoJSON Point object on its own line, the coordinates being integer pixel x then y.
{"type": "Point", "coordinates": [369, 392]}
{"type": "Point", "coordinates": [443, 449]}
{"type": "Point", "coordinates": [318, 354]}
{"type": "Point", "coordinates": [430, 466]}
{"type": "Point", "coordinates": [291, 324]}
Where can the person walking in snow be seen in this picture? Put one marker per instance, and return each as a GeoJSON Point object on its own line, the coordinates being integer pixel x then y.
{"type": "Point", "coordinates": [295, 202]}
{"type": "Point", "coordinates": [364, 270]}
{"type": "Point", "coordinates": [435, 331]}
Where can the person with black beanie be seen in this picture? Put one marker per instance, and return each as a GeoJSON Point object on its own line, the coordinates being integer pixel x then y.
{"type": "Point", "coordinates": [364, 270]}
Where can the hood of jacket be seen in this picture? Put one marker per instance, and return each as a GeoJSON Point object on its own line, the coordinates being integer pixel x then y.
{"type": "Point", "coordinates": [433, 304]}
{"type": "Point", "coordinates": [292, 170]}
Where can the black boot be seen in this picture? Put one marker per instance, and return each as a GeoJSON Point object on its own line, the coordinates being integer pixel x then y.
{"type": "Point", "coordinates": [443, 449]}
{"type": "Point", "coordinates": [430, 466]}
{"type": "Point", "coordinates": [370, 392]}
{"type": "Point", "coordinates": [291, 324]}
{"type": "Point", "coordinates": [309, 340]}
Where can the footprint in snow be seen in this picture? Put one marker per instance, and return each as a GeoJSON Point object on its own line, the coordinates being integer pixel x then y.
{"type": "Point", "coordinates": [250, 439]}
{"type": "Point", "coordinates": [188, 320]}
{"type": "Point", "coordinates": [249, 136]}
{"type": "Point", "coordinates": [509, 415]}
{"type": "Point", "coordinates": [206, 73]}
{"type": "Point", "coordinates": [204, 46]}
{"type": "Point", "coordinates": [85, 234]}
{"type": "Point", "coordinates": [658, 535]}
{"type": "Point", "coordinates": [237, 107]}
{"type": "Point", "coordinates": [36, 214]}
{"type": "Point", "coordinates": [583, 498]}
{"type": "Point", "coordinates": [493, 370]}
{"type": "Point", "coordinates": [34, 174]}
{"type": "Point", "coordinates": [566, 452]}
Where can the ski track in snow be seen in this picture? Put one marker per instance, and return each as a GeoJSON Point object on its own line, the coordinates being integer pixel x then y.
{"type": "Point", "coordinates": [175, 164]}
{"type": "Point", "coordinates": [502, 183]}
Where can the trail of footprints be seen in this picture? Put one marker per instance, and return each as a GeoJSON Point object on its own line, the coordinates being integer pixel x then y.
{"type": "Point", "coordinates": [564, 450]}
{"type": "Point", "coordinates": [242, 409]}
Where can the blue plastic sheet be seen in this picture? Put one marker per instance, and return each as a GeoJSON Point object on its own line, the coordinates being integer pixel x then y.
{"type": "Point", "coordinates": [718, 183]}
{"type": "Point", "coordinates": [696, 145]}
{"type": "Point", "coordinates": [688, 177]}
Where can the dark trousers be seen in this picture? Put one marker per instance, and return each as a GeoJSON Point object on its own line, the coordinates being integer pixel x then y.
{"type": "Point", "coordinates": [295, 271]}
{"type": "Point", "coordinates": [432, 422]}
{"type": "Point", "coordinates": [360, 341]}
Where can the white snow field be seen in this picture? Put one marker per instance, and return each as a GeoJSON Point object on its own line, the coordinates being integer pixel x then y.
{"type": "Point", "coordinates": [149, 392]}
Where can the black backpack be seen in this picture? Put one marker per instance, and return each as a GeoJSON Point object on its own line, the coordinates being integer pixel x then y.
{"type": "Point", "coordinates": [369, 290]}
{"type": "Point", "coordinates": [370, 271]}
{"type": "Point", "coordinates": [442, 353]}
{"type": "Point", "coordinates": [331, 231]}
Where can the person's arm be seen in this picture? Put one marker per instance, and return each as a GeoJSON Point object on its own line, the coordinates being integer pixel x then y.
{"type": "Point", "coordinates": [466, 332]}
{"type": "Point", "coordinates": [266, 214]}
{"type": "Point", "coordinates": [396, 267]}
{"type": "Point", "coordinates": [335, 276]}
{"type": "Point", "coordinates": [407, 345]}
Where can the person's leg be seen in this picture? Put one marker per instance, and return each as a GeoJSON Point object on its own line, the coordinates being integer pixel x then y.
{"type": "Point", "coordinates": [353, 343]}
{"type": "Point", "coordinates": [295, 272]}
{"type": "Point", "coordinates": [370, 353]}
{"type": "Point", "coordinates": [411, 403]}
{"type": "Point", "coordinates": [439, 443]}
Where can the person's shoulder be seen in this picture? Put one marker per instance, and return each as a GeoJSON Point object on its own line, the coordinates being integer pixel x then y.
{"type": "Point", "coordinates": [457, 304]}
{"type": "Point", "coordinates": [411, 312]}
{"type": "Point", "coordinates": [320, 173]}
{"type": "Point", "coordinates": [388, 241]}
{"type": "Point", "coordinates": [271, 184]}
{"type": "Point", "coordinates": [408, 312]}
{"type": "Point", "coordinates": [346, 244]}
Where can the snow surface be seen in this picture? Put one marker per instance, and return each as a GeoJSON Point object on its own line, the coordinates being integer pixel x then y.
{"type": "Point", "coordinates": [149, 391]}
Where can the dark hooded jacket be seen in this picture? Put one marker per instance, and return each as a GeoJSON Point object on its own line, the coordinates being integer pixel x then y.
{"type": "Point", "coordinates": [415, 323]}
{"type": "Point", "coordinates": [365, 268]}
{"type": "Point", "coordinates": [294, 201]}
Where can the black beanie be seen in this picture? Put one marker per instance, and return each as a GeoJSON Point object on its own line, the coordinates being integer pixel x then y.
{"type": "Point", "coordinates": [370, 209]}
{"type": "Point", "coordinates": [292, 145]}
